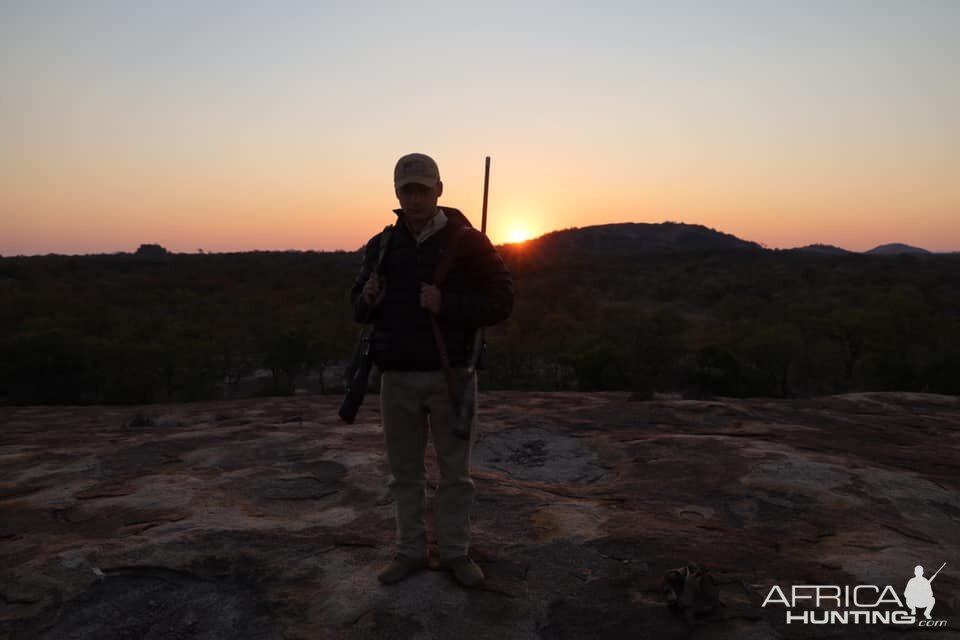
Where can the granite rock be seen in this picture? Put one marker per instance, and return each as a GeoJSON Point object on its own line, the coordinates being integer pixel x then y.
{"type": "Point", "coordinates": [268, 518]}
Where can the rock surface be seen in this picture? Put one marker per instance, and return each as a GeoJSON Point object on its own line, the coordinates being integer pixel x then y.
{"type": "Point", "coordinates": [269, 519]}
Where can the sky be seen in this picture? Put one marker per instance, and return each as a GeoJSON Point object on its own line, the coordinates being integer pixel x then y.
{"type": "Point", "coordinates": [274, 125]}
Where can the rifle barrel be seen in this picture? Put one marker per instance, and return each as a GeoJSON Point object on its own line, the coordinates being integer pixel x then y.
{"type": "Point", "coordinates": [937, 573]}
{"type": "Point", "coordinates": [486, 187]}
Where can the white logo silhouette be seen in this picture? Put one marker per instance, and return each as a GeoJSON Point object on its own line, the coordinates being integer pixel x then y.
{"type": "Point", "coordinates": [918, 592]}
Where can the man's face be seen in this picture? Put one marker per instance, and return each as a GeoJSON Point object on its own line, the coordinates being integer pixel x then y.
{"type": "Point", "coordinates": [418, 201]}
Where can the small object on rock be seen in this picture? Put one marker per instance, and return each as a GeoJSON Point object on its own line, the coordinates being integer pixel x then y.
{"type": "Point", "coordinates": [292, 419]}
{"type": "Point", "coordinates": [692, 591]}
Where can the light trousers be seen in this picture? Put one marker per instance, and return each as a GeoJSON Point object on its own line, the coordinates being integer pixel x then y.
{"type": "Point", "coordinates": [411, 404]}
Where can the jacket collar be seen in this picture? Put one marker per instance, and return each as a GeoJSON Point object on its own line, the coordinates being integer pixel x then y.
{"type": "Point", "coordinates": [455, 217]}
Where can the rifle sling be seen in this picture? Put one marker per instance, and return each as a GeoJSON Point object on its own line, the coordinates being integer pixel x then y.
{"type": "Point", "coordinates": [366, 333]}
{"type": "Point", "coordinates": [365, 341]}
{"type": "Point", "coordinates": [439, 277]}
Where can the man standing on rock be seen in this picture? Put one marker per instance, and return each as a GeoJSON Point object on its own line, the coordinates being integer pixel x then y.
{"type": "Point", "coordinates": [399, 297]}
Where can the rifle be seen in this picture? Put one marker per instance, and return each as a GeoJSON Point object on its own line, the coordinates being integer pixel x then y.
{"type": "Point", "coordinates": [468, 398]}
{"type": "Point", "coordinates": [937, 573]}
{"type": "Point", "coordinates": [358, 373]}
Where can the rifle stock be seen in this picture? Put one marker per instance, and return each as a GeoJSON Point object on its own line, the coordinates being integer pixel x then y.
{"type": "Point", "coordinates": [358, 375]}
{"type": "Point", "coordinates": [466, 407]}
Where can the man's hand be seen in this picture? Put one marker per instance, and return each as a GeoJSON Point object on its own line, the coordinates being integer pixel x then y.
{"type": "Point", "coordinates": [374, 290]}
{"type": "Point", "coordinates": [430, 298]}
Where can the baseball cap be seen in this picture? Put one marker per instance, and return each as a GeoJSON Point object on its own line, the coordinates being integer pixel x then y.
{"type": "Point", "coordinates": [416, 168]}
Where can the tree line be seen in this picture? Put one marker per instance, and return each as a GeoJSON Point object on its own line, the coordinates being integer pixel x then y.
{"type": "Point", "coordinates": [179, 327]}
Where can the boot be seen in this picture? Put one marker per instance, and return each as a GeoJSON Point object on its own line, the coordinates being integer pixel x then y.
{"type": "Point", "coordinates": [401, 567]}
{"type": "Point", "coordinates": [464, 570]}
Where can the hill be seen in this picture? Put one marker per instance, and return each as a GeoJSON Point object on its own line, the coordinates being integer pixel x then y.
{"type": "Point", "coordinates": [896, 248]}
{"type": "Point", "coordinates": [635, 237]}
{"type": "Point", "coordinates": [822, 248]}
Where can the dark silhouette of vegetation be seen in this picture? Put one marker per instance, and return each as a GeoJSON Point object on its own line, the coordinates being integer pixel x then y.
{"type": "Point", "coordinates": [725, 321]}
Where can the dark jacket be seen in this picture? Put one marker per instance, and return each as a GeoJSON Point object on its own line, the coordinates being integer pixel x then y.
{"type": "Point", "coordinates": [478, 292]}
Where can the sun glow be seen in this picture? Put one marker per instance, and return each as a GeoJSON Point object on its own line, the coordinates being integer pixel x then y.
{"type": "Point", "coordinates": [518, 233]}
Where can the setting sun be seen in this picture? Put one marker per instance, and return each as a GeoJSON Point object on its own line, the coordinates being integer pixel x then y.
{"type": "Point", "coordinates": [518, 233]}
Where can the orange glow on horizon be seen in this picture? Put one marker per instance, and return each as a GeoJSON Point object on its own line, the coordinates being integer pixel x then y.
{"type": "Point", "coordinates": [518, 233]}
{"type": "Point", "coordinates": [114, 212]}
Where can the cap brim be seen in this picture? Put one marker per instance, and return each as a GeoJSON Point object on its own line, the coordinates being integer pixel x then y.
{"type": "Point", "coordinates": [427, 182]}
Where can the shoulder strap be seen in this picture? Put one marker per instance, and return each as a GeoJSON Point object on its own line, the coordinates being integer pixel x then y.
{"type": "Point", "coordinates": [439, 277]}
{"type": "Point", "coordinates": [384, 243]}
{"type": "Point", "coordinates": [446, 259]}
{"type": "Point", "coordinates": [381, 252]}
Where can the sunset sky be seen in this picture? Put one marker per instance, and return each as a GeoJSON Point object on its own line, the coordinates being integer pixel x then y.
{"type": "Point", "coordinates": [275, 125]}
